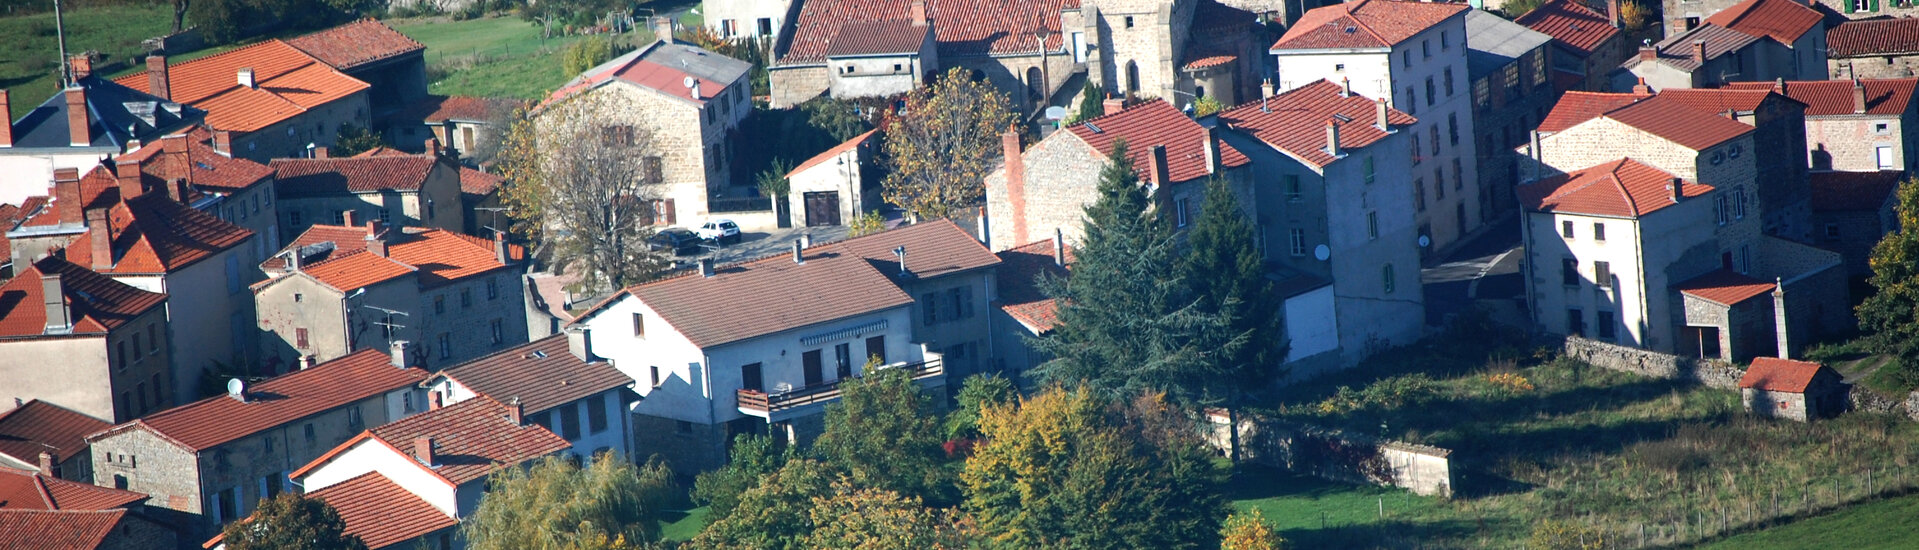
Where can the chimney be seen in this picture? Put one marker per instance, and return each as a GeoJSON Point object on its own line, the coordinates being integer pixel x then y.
{"type": "Point", "coordinates": [157, 83]}
{"type": "Point", "coordinates": [1648, 53]}
{"type": "Point", "coordinates": [919, 13]}
{"type": "Point", "coordinates": [127, 174]}
{"type": "Point", "coordinates": [663, 28]}
{"type": "Point", "coordinates": [1640, 88]}
{"type": "Point", "coordinates": [1266, 88]}
{"type": "Point", "coordinates": [501, 251]}
{"type": "Point", "coordinates": [706, 267]}
{"type": "Point", "coordinates": [580, 343]}
{"type": "Point", "coordinates": [6, 119]}
{"type": "Point", "coordinates": [423, 450]}
{"type": "Point", "coordinates": [81, 65]}
{"type": "Point", "coordinates": [1678, 187]}
{"type": "Point", "coordinates": [374, 243]}
{"type": "Point", "coordinates": [516, 412]}
{"type": "Point", "coordinates": [694, 90]}
{"type": "Point", "coordinates": [1112, 105]}
{"type": "Point", "coordinates": [99, 238]}
{"type": "Point", "coordinates": [1379, 115]}
{"type": "Point", "coordinates": [899, 252]}
{"type": "Point", "coordinates": [347, 218]}
{"type": "Point", "coordinates": [798, 256]}
{"type": "Point", "coordinates": [319, 151]}
{"type": "Point", "coordinates": [435, 400]}
{"type": "Point", "coordinates": [433, 146]}
{"type": "Point", "coordinates": [402, 354]}
{"type": "Point", "coordinates": [79, 121]}
{"type": "Point", "coordinates": [1858, 96]}
{"type": "Point", "coordinates": [66, 195]}
{"type": "Point", "coordinates": [1345, 87]}
{"type": "Point", "coordinates": [177, 190]}
{"type": "Point", "coordinates": [46, 463]}
{"type": "Point", "coordinates": [1781, 331]}
{"type": "Point", "coordinates": [1612, 12]}
{"type": "Point", "coordinates": [1699, 51]}
{"type": "Point", "coordinates": [132, 145]}
{"type": "Point", "coordinates": [1539, 156]}
{"type": "Point", "coordinates": [1211, 146]}
{"type": "Point", "coordinates": [246, 78]}
{"type": "Point", "coordinates": [806, 240]}
{"type": "Point", "coordinates": [1332, 138]}
{"type": "Point", "coordinates": [1059, 247]}
{"type": "Point", "coordinates": [293, 265]}
{"type": "Point", "coordinates": [1158, 166]}
{"type": "Point", "coordinates": [223, 142]}
{"type": "Point", "coordinates": [54, 297]}
{"type": "Point", "coordinates": [175, 147]}
{"type": "Point", "coordinates": [1779, 86]}
{"type": "Point", "coordinates": [306, 362]}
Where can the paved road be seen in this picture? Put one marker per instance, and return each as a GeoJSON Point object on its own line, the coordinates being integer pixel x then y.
{"type": "Point", "coordinates": [1486, 268]}
{"type": "Point", "coordinates": [759, 244]}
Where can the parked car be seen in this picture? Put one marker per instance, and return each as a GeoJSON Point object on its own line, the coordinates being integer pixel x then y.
{"type": "Point", "coordinates": [721, 231]}
{"type": "Point", "coordinates": [678, 240]}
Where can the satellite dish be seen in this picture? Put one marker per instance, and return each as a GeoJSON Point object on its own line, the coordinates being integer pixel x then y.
{"type": "Point", "coordinates": [1055, 113]}
{"type": "Point", "coordinates": [237, 389]}
{"type": "Point", "coordinates": [1425, 241]}
{"type": "Point", "coordinates": [1321, 252]}
{"type": "Point", "coordinates": [688, 82]}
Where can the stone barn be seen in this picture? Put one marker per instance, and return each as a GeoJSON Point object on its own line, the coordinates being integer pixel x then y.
{"type": "Point", "coordinates": [1797, 390]}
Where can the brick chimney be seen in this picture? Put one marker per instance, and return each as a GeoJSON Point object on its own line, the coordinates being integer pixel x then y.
{"type": "Point", "coordinates": [1210, 144]}
{"type": "Point", "coordinates": [47, 461]}
{"type": "Point", "coordinates": [223, 142]}
{"type": "Point", "coordinates": [100, 239]}
{"type": "Point", "coordinates": [1157, 163]}
{"type": "Point", "coordinates": [1015, 180]}
{"type": "Point", "coordinates": [1648, 53]}
{"type": "Point", "coordinates": [127, 174]}
{"type": "Point", "coordinates": [435, 400]}
{"type": "Point", "coordinates": [66, 195]}
{"type": "Point", "coordinates": [1699, 51]}
{"type": "Point", "coordinates": [1332, 138]}
{"type": "Point", "coordinates": [6, 118]}
{"type": "Point", "coordinates": [157, 83]}
{"type": "Point", "coordinates": [918, 11]}
{"type": "Point", "coordinates": [1641, 89]}
{"type": "Point", "coordinates": [423, 450]}
{"type": "Point", "coordinates": [319, 151]}
{"type": "Point", "coordinates": [177, 190]}
{"type": "Point", "coordinates": [375, 242]}
{"type": "Point", "coordinates": [54, 296]}
{"type": "Point", "coordinates": [347, 218]}
{"type": "Point", "coordinates": [1612, 13]}
{"type": "Point", "coordinates": [502, 252]}
{"type": "Point", "coordinates": [1112, 105]}
{"type": "Point", "coordinates": [516, 412]}
{"type": "Point", "coordinates": [81, 65]}
{"type": "Point", "coordinates": [433, 146]}
{"type": "Point", "coordinates": [1858, 96]}
{"type": "Point", "coordinates": [1380, 119]}
{"type": "Point", "coordinates": [79, 122]}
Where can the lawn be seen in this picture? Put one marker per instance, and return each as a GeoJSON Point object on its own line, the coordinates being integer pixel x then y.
{"type": "Point", "coordinates": [30, 52]}
{"type": "Point", "coordinates": [684, 525]}
{"type": "Point", "coordinates": [493, 56]}
{"type": "Point", "coordinates": [1885, 524]}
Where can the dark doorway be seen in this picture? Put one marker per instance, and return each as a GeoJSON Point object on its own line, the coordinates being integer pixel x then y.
{"type": "Point", "coordinates": [811, 361]}
{"type": "Point", "coordinates": [822, 208]}
{"type": "Point", "coordinates": [1702, 341]}
{"type": "Point", "coordinates": [750, 377]}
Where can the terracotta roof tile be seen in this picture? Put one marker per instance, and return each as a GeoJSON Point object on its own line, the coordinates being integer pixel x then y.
{"type": "Point", "coordinates": [1575, 107]}
{"type": "Point", "coordinates": [357, 269]}
{"type": "Point", "coordinates": [438, 255]}
{"type": "Point", "coordinates": [1295, 121]}
{"type": "Point", "coordinates": [471, 437]}
{"type": "Point", "coordinates": [23, 490]}
{"type": "Point", "coordinates": [1210, 61]}
{"type": "Point", "coordinates": [1677, 50]}
{"type": "Point", "coordinates": [209, 422]}
{"type": "Point", "coordinates": [153, 234]}
{"type": "Point", "coordinates": [960, 27]}
{"type": "Point", "coordinates": [1679, 122]}
{"type": "Point", "coordinates": [39, 426]}
{"type": "Point", "coordinates": [1853, 191]}
{"type": "Point", "coordinates": [829, 154]}
{"type": "Point", "coordinates": [99, 303]}
{"type": "Point", "coordinates": [478, 184]}
{"type": "Point", "coordinates": [331, 176]}
{"type": "Point", "coordinates": [933, 249]}
{"type": "Point", "coordinates": [382, 513]}
{"type": "Point", "coordinates": [1019, 292]}
{"type": "Point", "coordinates": [288, 82]}
{"type": "Point", "coordinates": [1719, 100]}
{"type": "Point", "coordinates": [760, 297]}
{"type": "Point", "coordinates": [197, 163]}
{"type": "Point", "coordinates": [1781, 20]}
{"type": "Point", "coordinates": [1834, 97]}
{"type": "Point", "coordinates": [1781, 375]}
{"type": "Point", "coordinates": [1152, 123]}
{"type": "Point", "coordinates": [64, 530]}
{"type": "Point", "coordinates": [444, 256]}
{"type": "Point", "coordinates": [1571, 24]}
{"type": "Point", "coordinates": [1623, 188]}
{"type": "Point", "coordinates": [662, 67]}
{"type": "Point", "coordinates": [1873, 37]}
{"type": "Point", "coordinates": [541, 374]}
{"type": "Point", "coordinates": [441, 108]}
{"type": "Point", "coordinates": [355, 44]}
{"type": "Point", "coordinates": [877, 38]}
{"type": "Point", "coordinates": [1724, 287]}
{"type": "Point", "coordinates": [346, 240]}
{"type": "Point", "coordinates": [1365, 24]}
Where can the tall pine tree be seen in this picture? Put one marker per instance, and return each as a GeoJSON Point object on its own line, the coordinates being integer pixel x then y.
{"type": "Point", "coordinates": [1227, 274]}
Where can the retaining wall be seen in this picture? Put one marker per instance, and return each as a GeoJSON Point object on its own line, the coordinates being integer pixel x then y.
{"type": "Point", "coordinates": [1334, 455]}
{"type": "Point", "coordinates": [1708, 372]}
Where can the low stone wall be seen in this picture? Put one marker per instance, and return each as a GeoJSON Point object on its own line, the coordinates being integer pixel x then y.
{"type": "Point", "coordinates": [1708, 372]}
{"type": "Point", "coordinates": [1865, 400]}
{"type": "Point", "coordinates": [1334, 455]}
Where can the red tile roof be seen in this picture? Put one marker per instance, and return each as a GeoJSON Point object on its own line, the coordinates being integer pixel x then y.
{"type": "Point", "coordinates": [23, 490]}
{"type": "Point", "coordinates": [1295, 121]}
{"type": "Point", "coordinates": [829, 154]}
{"type": "Point", "coordinates": [441, 108]}
{"type": "Point", "coordinates": [153, 234]}
{"type": "Point", "coordinates": [357, 269]}
{"type": "Point", "coordinates": [1724, 287]}
{"type": "Point", "coordinates": [1853, 191]}
{"type": "Point", "coordinates": [64, 530]}
{"type": "Point", "coordinates": [1571, 24]}
{"type": "Point", "coordinates": [1834, 97]}
{"type": "Point", "coordinates": [1365, 24]}
{"type": "Point", "coordinates": [39, 426]}
{"type": "Point", "coordinates": [960, 27]}
{"type": "Point", "coordinates": [288, 83]}
{"type": "Point", "coordinates": [759, 297]}
{"type": "Point", "coordinates": [1210, 61]}
{"type": "Point", "coordinates": [478, 184]}
{"type": "Point", "coordinates": [438, 255]}
{"type": "Point", "coordinates": [1623, 188]}
{"type": "Point", "coordinates": [1781, 20]}
{"type": "Point", "coordinates": [1873, 37]}
{"type": "Point", "coordinates": [655, 68]}
{"type": "Point", "coordinates": [354, 44]}
{"type": "Point", "coordinates": [1153, 123]}
{"type": "Point", "coordinates": [198, 164]}
{"type": "Point", "coordinates": [1719, 100]}
{"type": "Point", "coordinates": [209, 422]}
{"type": "Point", "coordinates": [1781, 375]}
{"type": "Point", "coordinates": [382, 513]}
{"type": "Point", "coordinates": [1575, 107]}
{"type": "Point", "coordinates": [877, 38]}
{"type": "Point", "coordinates": [1677, 50]}
{"type": "Point", "coordinates": [933, 249]}
{"type": "Point", "coordinates": [541, 374]}
{"type": "Point", "coordinates": [359, 174]}
{"type": "Point", "coordinates": [98, 189]}
{"type": "Point", "coordinates": [1678, 122]}
{"type": "Point", "coordinates": [470, 438]}
{"type": "Point", "coordinates": [98, 303]}
{"type": "Point", "coordinates": [1019, 292]}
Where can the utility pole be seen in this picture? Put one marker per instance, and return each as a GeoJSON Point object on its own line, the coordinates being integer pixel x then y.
{"type": "Point", "coordinates": [60, 32]}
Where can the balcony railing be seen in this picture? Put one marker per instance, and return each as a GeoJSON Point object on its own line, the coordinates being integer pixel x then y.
{"type": "Point", "coordinates": [768, 403]}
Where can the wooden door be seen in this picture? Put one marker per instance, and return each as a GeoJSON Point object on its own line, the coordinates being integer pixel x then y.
{"type": "Point", "coordinates": [822, 208]}
{"type": "Point", "coordinates": [814, 371]}
{"type": "Point", "coordinates": [750, 377]}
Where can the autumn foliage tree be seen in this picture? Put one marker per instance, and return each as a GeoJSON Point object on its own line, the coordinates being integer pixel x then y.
{"type": "Point", "coordinates": [1248, 530]}
{"type": "Point", "coordinates": [610, 503]}
{"type": "Point", "coordinates": [883, 434]}
{"type": "Point", "coordinates": [291, 522]}
{"type": "Point", "coordinates": [1890, 317]}
{"type": "Point", "coordinates": [942, 147]}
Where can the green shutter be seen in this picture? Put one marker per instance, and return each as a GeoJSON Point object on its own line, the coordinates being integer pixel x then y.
{"type": "Point", "coordinates": [1875, 6]}
{"type": "Point", "coordinates": [1847, 5]}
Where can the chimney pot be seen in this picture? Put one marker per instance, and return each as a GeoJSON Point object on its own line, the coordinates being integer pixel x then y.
{"type": "Point", "coordinates": [6, 118]}
{"type": "Point", "coordinates": [100, 239]}
{"type": "Point", "coordinates": [246, 78]}
{"type": "Point", "coordinates": [81, 66]}
{"type": "Point", "coordinates": [1380, 118]}
{"type": "Point", "coordinates": [401, 354]}
{"type": "Point", "coordinates": [1112, 105]}
{"type": "Point", "coordinates": [1332, 138]}
{"type": "Point", "coordinates": [1266, 88]}
{"type": "Point", "coordinates": [899, 252]}
{"type": "Point", "coordinates": [157, 83]}
{"type": "Point", "coordinates": [1779, 85]}
{"type": "Point", "coordinates": [706, 267]}
{"type": "Point", "coordinates": [79, 121]}
{"type": "Point", "coordinates": [223, 142]}
{"type": "Point", "coordinates": [799, 256]}
{"type": "Point", "coordinates": [54, 297]}
{"type": "Point", "coordinates": [423, 450]}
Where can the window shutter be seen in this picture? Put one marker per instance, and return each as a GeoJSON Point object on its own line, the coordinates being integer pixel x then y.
{"type": "Point", "coordinates": [1848, 5]}
{"type": "Point", "coordinates": [672, 216]}
{"type": "Point", "coordinates": [1875, 5]}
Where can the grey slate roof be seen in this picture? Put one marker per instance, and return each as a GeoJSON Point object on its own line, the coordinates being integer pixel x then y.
{"type": "Point", "coordinates": [118, 114]}
{"type": "Point", "coordinates": [1492, 42]}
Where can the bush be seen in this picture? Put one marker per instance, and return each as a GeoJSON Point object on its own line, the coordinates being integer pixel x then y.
{"type": "Point", "coordinates": [1552, 534]}
{"type": "Point", "coordinates": [586, 54]}
{"type": "Point", "coordinates": [1206, 106]}
{"type": "Point", "coordinates": [1634, 15]}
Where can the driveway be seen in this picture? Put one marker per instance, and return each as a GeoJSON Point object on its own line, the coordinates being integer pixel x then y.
{"type": "Point", "coordinates": [1486, 268]}
{"type": "Point", "coordinates": [759, 244]}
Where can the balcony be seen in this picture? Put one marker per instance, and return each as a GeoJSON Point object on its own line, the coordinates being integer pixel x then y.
{"type": "Point", "coordinates": [763, 404]}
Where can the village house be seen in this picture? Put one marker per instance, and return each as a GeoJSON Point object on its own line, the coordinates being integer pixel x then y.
{"type": "Point", "coordinates": [1175, 51]}
{"type": "Point", "coordinates": [30, 490]}
{"type": "Point", "coordinates": [689, 103]}
{"type": "Point", "coordinates": [1414, 54]}
{"type": "Point", "coordinates": [1873, 48]}
{"type": "Point", "coordinates": [392, 65]}
{"type": "Point", "coordinates": [236, 190]}
{"type": "Point", "coordinates": [837, 185]}
{"type": "Point", "coordinates": [763, 20]}
{"type": "Point", "coordinates": [1793, 390]}
{"type": "Point", "coordinates": [1022, 310]}
{"type": "Point", "coordinates": [1587, 45]}
{"type": "Point", "coordinates": [110, 529]}
{"type": "Point", "coordinates": [111, 340]}
{"type": "Point", "coordinates": [557, 383]}
{"type": "Point", "coordinates": [274, 99]}
{"type": "Point", "coordinates": [88, 121]}
{"type": "Point", "coordinates": [1856, 125]}
{"type": "Point", "coordinates": [398, 190]}
{"type": "Point", "coordinates": [1330, 171]}
{"type": "Point", "coordinates": [49, 440]}
{"type": "Point", "coordinates": [339, 289]}
{"type": "Point", "coordinates": [1683, 14]}
{"type": "Point", "coordinates": [1752, 41]}
{"type": "Point", "coordinates": [463, 123]}
{"type": "Point", "coordinates": [1852, 211]}
{"type": "Point", "coordinates": [212, 460]}
{"type": "Point", "coordinates": [1046, 188]}
{"type": "Point", "coordinates": [409, 483]}
{"type": "Point", "coordinates": [1503, 60]}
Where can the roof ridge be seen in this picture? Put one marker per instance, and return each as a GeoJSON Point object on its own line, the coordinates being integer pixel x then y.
{"type": "Point", "coordinates": [1351, 7]}
{"type": "Point", "coordinates": [1620, 185]}
{"type": "Point", "coordinates": [40, 486]}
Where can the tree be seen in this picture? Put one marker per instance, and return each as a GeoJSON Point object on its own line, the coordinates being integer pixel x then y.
{"type": "Point", "coordinates": [882, 434]}
{"type": "Point", "coordinates": [582, 178]}
{"type": "Point", "coordinates": [353, 140]}
{"type": "Point", "coordinates": [1207, 106]}
{"type": "Point", "coordinates": [555, 504]}
{"type": "Point", "coordinates": [866, 224]}
{"type": "Point", "coordinates": [1092, 102]}
{"type": "Point", "coordinates": [773, 515]}
{"type": "Point", "coordinates": [840, 119]}
{"type": "Point", "coordinates": [1888, 316]}
{"type": "Point", "coordinates": [773, 184]}
{"type": "Point", "coordinates": [875, 519]}
{"type": "Point", "coordinates": [753, 457]}
{"type": "Point", "coordinates": [180, 8]}
{"type": "Point", "coordinates": [941, 149]}
{"type": "Point", "coordinates": [1226, 271]}
{"type": "Point", "coordinates": [1126, 322]}
{"type": "Point", "coordinates": [585, 54]}
{"type": "Point", "coordinates": [291, 522]}
{"type": "Point", "coordinates": [1062, 469]}
{"type": "Point", "coordinates": [978, 393]}
{"type": "Point", "coordinates": [1248, 530]}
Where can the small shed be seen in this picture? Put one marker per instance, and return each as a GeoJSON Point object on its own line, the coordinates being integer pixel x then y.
{"type": "Point", "coordinates": [1797, 390]}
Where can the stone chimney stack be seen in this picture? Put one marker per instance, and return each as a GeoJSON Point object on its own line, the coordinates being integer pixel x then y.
{"type": "Point", "coordinates": [81, 65]}
{"type": "Point", "coordinates": [501, 250]}
{"type": "Point", "coordinates": [1157, 163]}
{"type": "Point", "coordinates": [1699, 51]}
{"type": "Point", "coordinates": [1332, 138]}
{"type": "Point", "coordinates": [918, 13]}
{"type": "Point", "coordinates": [6, 119]}
{"type": "Point", "coordinates": [79, 121]}
{"type": "Point", "coordinates": [663, 29]}
{"type": "Point", "coordinates": [401, 352]}
{"type": "Point", "coordinates": [706, 267]}
{"type": "Point", "coordinates": [53, 295]}
{"type": "Point", "coordinates": [1858, 96]}
{"type": "Point", "coordinates": [1112, 105]}
{"type": "Point", "coordinates": [100, 239]}
{"type": "Point", "coordinates": [1380, 118]}
{"type": "Point", "coordinates": [375, 243]}
{"type": "Point", "coordinates": [177, 190]}
{"type": "Point", "coordinates": [423, 450]}
{"type": "Point", "coordinates": [1539, 156]}
{"type": "Point", "coordinates": [1211, 147]}
{"type": "Point", "coordinates": [127, 174]}
{"type": "Point", "coordinates": [223, 142]}
{"type": "Point", "coordinates": [1782, 332]}
{"type": "Point", "coordinates": [245, 78]}
{"type": "Point", "coordinates": [157, 83]}
{"type": "Point", "coordinates": [47, 462]}
{"type": "Point", "coordinates": [66, 195]}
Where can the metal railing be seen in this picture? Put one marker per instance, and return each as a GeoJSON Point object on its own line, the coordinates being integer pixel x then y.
{"type": "Point", "coordinates": [739, 204]}
{"type": "Point", "coordinates": [759, 401]}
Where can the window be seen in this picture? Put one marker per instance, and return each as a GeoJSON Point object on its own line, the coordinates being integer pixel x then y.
{"type": "Point", "coordinates": [1292, 187]}
{"type": "Point", "coordinates": [1129, 21]}
{"type": "Point", "coordinates": [1416, 148]}
{"type": "Point", "coordinates": [1412, 101]}
{"type": "Point", "coordinates": [499, 332]}
{"type": "Point", "coordinates": [569, 422]}
{"type": "Point", "coordinates": [1883, 154]}
{"type": "Point", "coordinates": [308, 432]}
{"type": "Point", "coordinates": [962, 301]}
{"type": "Point", "coordinates": [656, 375]}
{"type": "Point", "coordinates": [439, 304]}
{"type": "Point", "coordinates": [1602, 274]}
{"type": "Point", "coordinates": [616, 135]}
{"type": "Point", "coordinates": [293, 218]}
{"type": "Point", "coordinates": [1832, 231]}
{"type": "Point", "coordinates": [227, 505]}
{"type": "Point", "coordinates": [1439, 185]}
{"type": "Point", "coordinates": [750, 377]}
{"type": "Point", "coordinates": [1426, 48]}
{"type": "Point", "coordinates": [1566, 229]}
{"type": "Point", "coordinates": [929, 308]}
{"type": "Point", "coordinates": [408, 405]}
{"type": "Point", "coordinates": [1387, 281]}
{"type": "Point", "coordinates": [140, 396]}
{"type": "Point", "coordinates": [1179, 211]}
{"type": "Point", "coordinates": [651, 169]}
{"type": "Point", "coordinates": [1339, 67]}
{"type": "Point", "coordinates": [1538, 60]}
{"type": "Point", "coordinates": [1132, 76]}
{"type": "Point", "coordinates": [1599, 231]}
{"type": "Point", "coordinates": [429, 209]}
{"type": "Point", "coordinates": [386, 216]}
{"type": "Point", "coordinates": [1372, 225]}
{"type": "Point", "coordinates": [1406, 59]}
{"type": "Point", "coordinates": [1366, 169]}
{"type": "Point", "coordinates": [1433, 131]}
{"type": "Point", "coordinates": [446, 346]}
{"type": "Point", "coordinates": [1881, 128]}
{"type": "Point", "coordinates": [1419, 194]}
{"type": "Point", "coordinates": [300, 338]}
{"type": "Point", "coordinates": [1432, 91]}
{"type": "Point", "coordinates": [1482, 93]}
{"type": "Point", "coordinates": [1569, 272]}
{"type": "Point", "coordinates": [234, 286]}
{"type": "Point", "coordinates": [353, 420]}
{"type": "Point", "coordinates": [1720, 209]}
{"type": "Point", "coordinates": [1452, 128]}
{"type": "Point", "coordinates": [843, 360]}
{"type": "Point", "coordinates": [466, 298]}
{"type": "Point", "coordinates": [1739, 203]}
{"type": "Point", "coordinates": [1605, 322]}
{"type": "Point", "coordinates": [1459, 175]}
{"type": "Point", "coordinates": [124, 361]}
{"type": "Point", "coordinates": [686, 427]}
{"type": "Point", "coordinates": [596, 413]}
{"type": "Point", "coordinates": [1445, 41]}
{"type": "Point", "coordinates": [1298, 240]}
{"type": "Point", "coordinates": [492, 289]}
{"type": "Point", "coordinates": [1575, 322]}
{"type": "Point", "coordinates": [876, 349]}
{"type": "Point", "coordinates": [639, 325]}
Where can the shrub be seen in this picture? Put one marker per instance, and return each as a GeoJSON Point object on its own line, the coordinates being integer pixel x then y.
{"type": "Point", "coordinates": [1508, 383]}
{"type": "Point", "coordinates": [1206, 106]}
{"type": "Point", "coordinates": [1634, 15]}
{"type": "Point", "coordinates": [1552, 534]}
{"type": "Point", "coordinates": [866, 224]}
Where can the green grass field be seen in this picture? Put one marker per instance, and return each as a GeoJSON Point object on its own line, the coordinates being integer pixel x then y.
{"type": "Point", "coordinates": [30, 53]}
{"type": "Point", "coordinates": [1879, 525]}
{"type": "Point", "coordinates": [689, 523]}
{"type": "Point", "coordinates": [493, 56]}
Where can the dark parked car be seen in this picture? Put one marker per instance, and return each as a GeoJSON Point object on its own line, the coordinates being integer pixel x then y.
{"type": "Point", "coordinates": [680, 241]}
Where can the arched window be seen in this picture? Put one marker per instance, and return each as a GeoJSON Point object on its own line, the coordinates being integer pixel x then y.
{"type": "Point", "coordinates": [1132, 76]}
{"type": "Point", "coordinates": [1035, 85]}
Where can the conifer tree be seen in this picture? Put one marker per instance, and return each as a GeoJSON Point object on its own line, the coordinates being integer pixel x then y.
{"type": "Point", "coordinates": [1228, 274]}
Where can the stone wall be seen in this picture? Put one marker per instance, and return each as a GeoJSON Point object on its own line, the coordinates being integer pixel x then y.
{"type": "Point", "coordinates": [1897, 66]}
{"type": "Point", "coordinates": [1710, 373]}
{"type": "Point", "coordinates": [1352, 458]}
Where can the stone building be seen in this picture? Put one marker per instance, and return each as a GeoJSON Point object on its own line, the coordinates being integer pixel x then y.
{"type": "Point", "coordinates": [1414, 54]}
{"type": "Point", "coordinates": [273, 99]}
{"type": "Point", "coordinates": [393, 65]}
{"type": "Point", "coordinates": [764, 20]}
{"type": "Point", "coordinates": [587, 407]}
{"type": "Point", "coordinates": [1022, 310]}
{"type": "Point", "coordinates": [1046, 188]}
{"type": "Point", "coordinates": [1873, 48]}
{"type": "Point", "coordinates": [689, 102]}
{"type": "Point", "coordinates": [339, 289]}
{"type": "Point", "coordinates": [1682, 13]}
{"type": "Point", "coordinates": [1852, 211]}
{"type": "Point", "coordinates": [1503, 61]}
{"type": "Point", "coordinates": [110, 529]}
{"type": "Point", "coordinates": [87, 122]}
{"type": "Point", "coordinates": [1857, 125]}
{"type": "Point", "coordinates": [48, 439]}
{"type": "Point", "coordinates": [1330, 174]}
{"type": "Point", "coordinates": [1171, 50]}
{"type": "Point", "coordinates": [1793, 390]}
{"type": "Point", "coordinates": [462, 123]}
{"type": "Point", "coordinates": [212, 460]}
{"type": "Point", "coordinates": [31, 490]}
{"type": "Point", "coordinates": [397, 190]}
{"type": "Point", "coordinates": [1587, 45]}
{"type": "Point", "coordinates": [837, 185]}
{"type": "Point", "coordinates": [235, 190]}
{"type": "Point", "coordinates": [1751, 41]}
{"type": "Point", "coordinates": [109, 338]}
